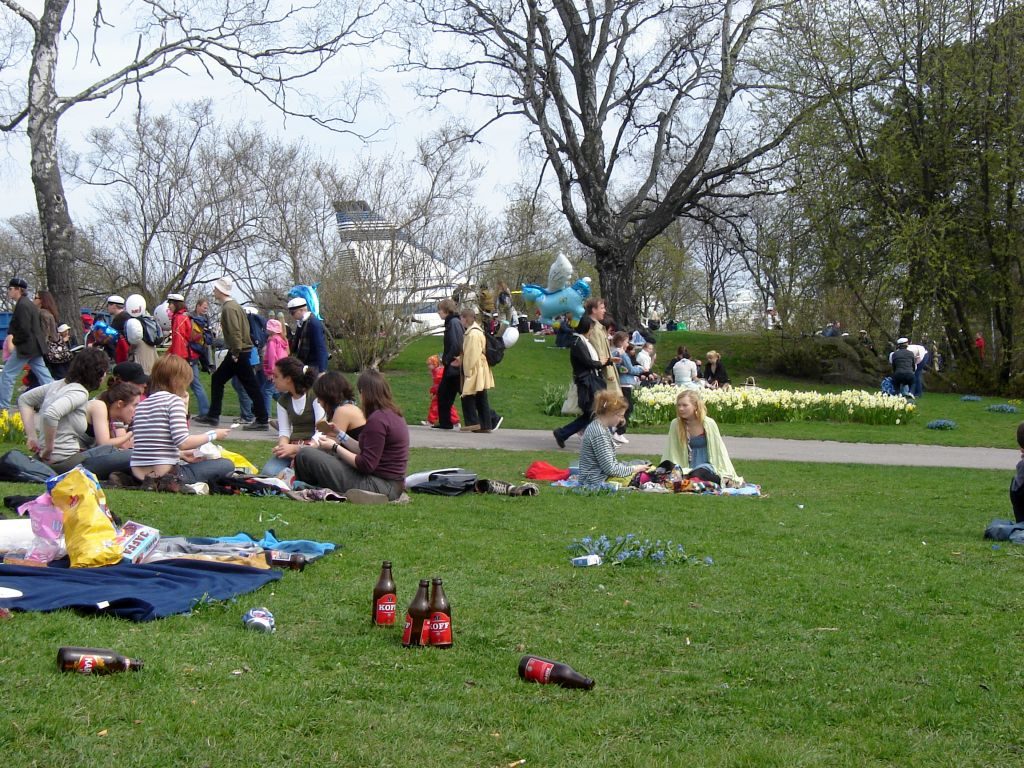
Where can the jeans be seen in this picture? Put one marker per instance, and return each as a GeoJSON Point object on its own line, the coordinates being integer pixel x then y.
{"type": "Point", "coordinates": [477, 410]}
{"type": "Point", "coordinates": [269, 393]}
{"type": "Point", "coordinates": [205, 471]}
{"type": "Point", "coordinates": [275, 465]}
{"type": "Point", "coordinates": [244, 401]}
{"type": "Point", "coordinates": [101, 460]}
{"type": "Point", "coordinates": [202, 402]}
{"type": "Point", "coordinates": [228, 369]}
{"type": "Point", "coordinates": [918, 387]}
{"type": "Point", "coordinates": [11, 370]}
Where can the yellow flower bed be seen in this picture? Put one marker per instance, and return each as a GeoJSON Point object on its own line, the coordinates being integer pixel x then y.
{"type": "Point", "coordinates": [657, 405]}
{"type": "Point", "coordinates": [11, 428]}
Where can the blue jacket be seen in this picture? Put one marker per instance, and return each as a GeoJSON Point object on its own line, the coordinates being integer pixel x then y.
{"type": "Point", "coordinates": [628, 371]}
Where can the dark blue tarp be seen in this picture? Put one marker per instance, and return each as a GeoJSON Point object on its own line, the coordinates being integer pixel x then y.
{"type": "Point", "coordinates": [137, 592]}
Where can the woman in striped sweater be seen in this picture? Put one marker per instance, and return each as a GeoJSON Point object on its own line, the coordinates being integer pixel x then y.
{"type": "Point", "coordinates": [598, 463]}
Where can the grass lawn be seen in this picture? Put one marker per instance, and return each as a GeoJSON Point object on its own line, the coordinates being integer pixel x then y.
{"type": "Point", "coordinates": [854, 617]}
{"type": "Point", "coordinates": [531, 365]}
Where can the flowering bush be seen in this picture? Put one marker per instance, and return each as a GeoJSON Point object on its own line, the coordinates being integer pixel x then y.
{"type": "Point", "coordinates": [941, 424]}
{"type": "Point", "coordinates": [11, 428]}
{"type": "Point", "coordinates": [1001, 408]}
{"type": "Point", "coordinates": [631, 550]}
{"type": "Point", "coordinates": [657, 405]}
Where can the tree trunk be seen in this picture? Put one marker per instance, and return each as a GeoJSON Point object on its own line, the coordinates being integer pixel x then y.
{"type": "Point", "coordinates": [615, 272]}
{"type": "Point", "coordinates": [54, 218]}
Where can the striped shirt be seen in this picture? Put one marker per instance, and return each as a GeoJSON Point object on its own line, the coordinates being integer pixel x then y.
{"type": "Point", "coordinates": [597, 456]}
{"type": "Point", "coordinates": [160, 426]}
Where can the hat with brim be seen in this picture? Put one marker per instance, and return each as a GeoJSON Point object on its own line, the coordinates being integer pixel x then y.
{"type": "Point", "coordinates": [131, 372]}
{"type": "Point", "coordinates": [63, 327]}
{"type": "Point", "coordinates": [296, 302]}
{"type": "Point", "coordinates": [175, 297]}
{"type": "Point", "coordinates": [115, 299]}
{"type": "Point", "coordinates": [902, 340]}
{"type": "Point", "coordinates": [224, 285]}
{"type": "Point", "coordinates": [18, 282]}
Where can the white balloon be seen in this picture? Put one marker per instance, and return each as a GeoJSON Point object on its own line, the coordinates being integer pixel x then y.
{"type": "Point", "coordinates": [163, 316]}
{"type": "Point", "coordinates": [510, 336]}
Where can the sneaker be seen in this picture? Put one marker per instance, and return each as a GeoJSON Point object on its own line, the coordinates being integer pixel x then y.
{"type": "Point", "coordinates": [438, 426]}
{"type": "Point", "coordinates": [620, 439]}
{"type": "Point", "coordinates": [206, 421]}
{"type": "Point", "coordinates": [524, 489]}
{"type": "Point", "coordinates": [246, 420]}
{"type": "Point", "coordinates": [256, 426]}
{"type": "Point", "coordinates": [497, 425]}
{"type": "Point", "coordinates": [119, 479]}
{"type": "Point", "coordinates": [425, 424]}
{"type": "Point", "coordinates": [560, 441]}
{"type": "Point", "coordinates": [470, 428]}
{"type": "Point", "coordinates": [197, 489]}
{"type": "Point", "coordinates": [493, 486]}
{"type": "Point", "coordinates": [359, 496]}
{"type": "Point", "coordinates": [273, 423]}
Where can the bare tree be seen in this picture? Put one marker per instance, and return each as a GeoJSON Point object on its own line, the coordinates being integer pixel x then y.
{"type": "Point", "coordinates": [641, 108]}
{"type": "Point", "coordinates": [268, 46]}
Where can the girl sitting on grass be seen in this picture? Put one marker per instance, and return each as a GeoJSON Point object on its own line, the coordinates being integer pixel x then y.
{"type": "Point", "coordinates": [598, 464]}
{"type": "Point", "coordinates": [695, 444]}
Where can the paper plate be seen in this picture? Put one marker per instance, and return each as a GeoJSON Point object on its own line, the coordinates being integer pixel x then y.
{"type": "Point", "coordinates": [8, 592]}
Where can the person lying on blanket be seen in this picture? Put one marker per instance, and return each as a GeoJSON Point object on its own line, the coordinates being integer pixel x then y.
{"type": "Point", "coordinates": [694, 441]}
{"type": "Point", "coordinates": [598, 464]}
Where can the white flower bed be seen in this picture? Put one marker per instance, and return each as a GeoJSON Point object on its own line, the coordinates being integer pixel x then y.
{"type": "Point", "coordinates": [657, 405]}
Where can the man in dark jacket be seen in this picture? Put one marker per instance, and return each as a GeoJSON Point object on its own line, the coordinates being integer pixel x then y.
{"type": "Point", "coordinates": [451, 380]}
{"type": "Point", "coordinates": [903, 364]}
{"type": "Point", "coordinates": [309, 343]}
{"type": "Point", "coordinates": [29, 342]}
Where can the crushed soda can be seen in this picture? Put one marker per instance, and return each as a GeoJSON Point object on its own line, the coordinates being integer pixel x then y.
{"type": "Point", "coordinates": [586, 560]}
{"type": "Point", "coordinates": [259, 619]}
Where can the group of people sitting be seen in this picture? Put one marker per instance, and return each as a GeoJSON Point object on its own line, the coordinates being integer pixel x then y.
{"type": "Point", "coordinates": [136, 431]}
{"type": "Point", "coordinates": [685, 372]}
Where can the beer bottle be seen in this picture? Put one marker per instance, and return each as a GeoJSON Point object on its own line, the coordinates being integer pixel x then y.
{"type": "Point", "coordinates": [417, 618]}
{"type": "Point", "coordinates": [278, 559]}
{"type": "Point", "coordinates": [94, 661]}
{"type": "Point", "coordinates": [440, 617]}
{"type": "Point", "coordinates": [385, 598]}
{"type": "Point", "coordinates": [534, 669]}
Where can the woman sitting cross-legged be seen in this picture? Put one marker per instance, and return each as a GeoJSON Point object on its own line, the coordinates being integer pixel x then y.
{"type": "Point", "coordinates": [54, 414]}
{"type": "Point", "coordinates": [695, 444]}
{"type": "Point", "coordinates": [298, 413]}
{"type": "Point", "coordinates": [383, 455]}
{"type": "Point", "coordinates": [109, 416]}
{"type": "Point", "coordinates": [598, 464]}
{"type": "Point", "coordinates": [161, 437]}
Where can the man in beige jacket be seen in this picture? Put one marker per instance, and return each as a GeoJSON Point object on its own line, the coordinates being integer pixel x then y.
{"type": "Point", "coordinates": [598, 336]}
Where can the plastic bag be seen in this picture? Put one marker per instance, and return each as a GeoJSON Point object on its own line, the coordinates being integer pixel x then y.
{"type": "Point", "coordinates": [89, 531]}
{"type": "Point", "coordinates": [239, 461]}
{"type": "Point", "coordinates": [48, 527]}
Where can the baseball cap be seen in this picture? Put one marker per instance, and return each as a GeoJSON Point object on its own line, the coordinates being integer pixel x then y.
{"type": "Point", "coordinates": [18, 282]}
{"type": "Point", "coordinates": [131, 372]}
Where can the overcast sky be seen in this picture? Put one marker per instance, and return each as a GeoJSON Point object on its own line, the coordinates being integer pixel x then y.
{"type": "Point", "coordinates": [400, 109]}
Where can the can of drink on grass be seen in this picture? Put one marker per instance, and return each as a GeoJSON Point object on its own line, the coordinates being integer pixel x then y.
{"type": "Point", "coordinates": [259, 619]}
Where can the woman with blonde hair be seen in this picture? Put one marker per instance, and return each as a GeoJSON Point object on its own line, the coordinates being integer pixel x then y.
{"type": "Point", "coordinates": [714, 374]}
{"type": "Point", "coordinates": [695, 444]}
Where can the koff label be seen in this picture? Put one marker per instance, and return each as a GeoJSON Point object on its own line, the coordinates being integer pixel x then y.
{"type": "Point", "coordinates": [386, 612]}
{"type": "Point", "coordinates": [440, 629]}
{"type": "Point", "coordinates": [539, 671]}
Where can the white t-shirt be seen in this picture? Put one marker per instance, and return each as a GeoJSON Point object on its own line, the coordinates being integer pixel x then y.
{"type": "Point", "coordinates": [643, 359]}
{"type": "Point", "coordinates": [684, 372]}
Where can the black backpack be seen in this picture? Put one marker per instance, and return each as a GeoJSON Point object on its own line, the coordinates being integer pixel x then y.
{"type": "Point", "coordinates": [18, 467]}
{"type": "Point", "coordinates": [494, 348]}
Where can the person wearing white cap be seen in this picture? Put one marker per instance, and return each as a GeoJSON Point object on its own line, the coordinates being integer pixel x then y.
{"type": "Point", "coordinates": [309, 343]}
{"type": "Point", "coordinates": [26, 328]}
{"type": "Point", "coordinates": [920, 353]}
{"type": "Point", "coordinates": [902, 361]}
{"type": "Point", "coordinates": [115, 305]}
{"type": "Point", "coordinates": [142, 346]}
{"type": "Point", "coordinates": [235, 326]}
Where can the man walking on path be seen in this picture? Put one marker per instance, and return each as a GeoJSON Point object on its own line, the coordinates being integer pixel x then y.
{"type": "Point", "coordinates": [235, 326]}
{"type": "Point", "coordinates": [309, 343]}
{"type": "Point", "coordinates": [598, 336]}
{"type": "Point", "coordinates": [29, 342]}
{"type": "Point", "coordinates": [451, 379]}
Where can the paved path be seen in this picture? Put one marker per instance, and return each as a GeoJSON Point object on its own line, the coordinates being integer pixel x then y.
{"type": "Point", "coordinates": [740, 448]}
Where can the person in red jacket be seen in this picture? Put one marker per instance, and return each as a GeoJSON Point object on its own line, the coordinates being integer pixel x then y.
{"type": "Point", "coordinates": [436, 374]}
{"type": "Point", "coordinates": [181, 337]}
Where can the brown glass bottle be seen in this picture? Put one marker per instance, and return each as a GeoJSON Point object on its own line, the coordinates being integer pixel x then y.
{"type": "Point", "coordinates": [278, 559]}
{"type": "Point", "coordinates": [440, 617]}
{"type": "Point", "coordinates": [534, 669]}
{"type": "Point", "coordinates": [94, 661]}
{"type": "Point", "coordinates": [417, 618]}
{"type": "Point", "coordinates": [385, 598]}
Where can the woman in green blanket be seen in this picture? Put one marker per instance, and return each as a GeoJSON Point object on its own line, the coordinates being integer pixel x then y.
{"type": "Point", "coordinates": [695, 442]}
